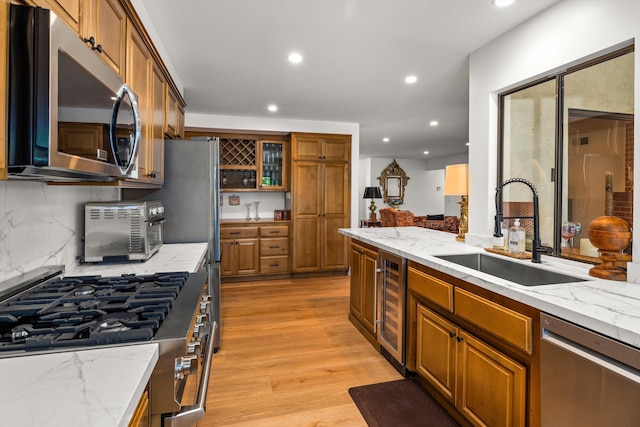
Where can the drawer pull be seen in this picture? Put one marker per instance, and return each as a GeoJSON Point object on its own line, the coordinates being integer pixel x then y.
{"type": "Point", "coordinates": [274, 231]}
{"type": "Point", "coordinates": [274, 247]}
{"type": "Point", "coordinates": [234, 232]}
{"type": "Point", "coordinates": [274, 265]}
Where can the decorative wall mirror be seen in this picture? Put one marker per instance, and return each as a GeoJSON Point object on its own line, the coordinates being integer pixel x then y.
{"type": "Point", "coordinates": [393, 180]}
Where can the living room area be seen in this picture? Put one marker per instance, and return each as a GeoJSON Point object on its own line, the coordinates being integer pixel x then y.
{"type": "Point", "coordinates": [423, 193]}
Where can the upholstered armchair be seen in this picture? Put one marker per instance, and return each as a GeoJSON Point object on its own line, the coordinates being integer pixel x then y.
{"type": "Point", "coordinates": [387, 217]}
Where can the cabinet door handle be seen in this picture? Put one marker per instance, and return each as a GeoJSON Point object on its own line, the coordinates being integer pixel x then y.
{"type": "Point", "coordinates": [375, 297]}
{"type": "Point", "coordinates": [452, 334]}
{"type": "Point", "coordinates": [459, 339]}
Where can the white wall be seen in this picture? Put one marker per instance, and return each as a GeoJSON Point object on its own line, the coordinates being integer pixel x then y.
{"type": "Point", "coordinates": [568, 33]}
{"type": "Point", "coordinates": [237, 123]}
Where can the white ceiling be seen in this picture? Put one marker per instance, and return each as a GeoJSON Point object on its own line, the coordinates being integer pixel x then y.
{"type": "Point", "coordinates": [231, 58]}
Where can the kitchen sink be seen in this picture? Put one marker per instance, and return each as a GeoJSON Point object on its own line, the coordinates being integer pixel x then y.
{"type": "Point", "coordinates": [522, 274]}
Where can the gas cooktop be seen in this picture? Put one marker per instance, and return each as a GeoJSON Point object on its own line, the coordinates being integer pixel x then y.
{"type": "Point", "coordinates": [88, 311]}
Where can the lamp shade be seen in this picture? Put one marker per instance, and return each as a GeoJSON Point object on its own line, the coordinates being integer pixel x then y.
{"type": "Point", "coordinates": [372, 193]}
{"type": "Point", "coordinates": [456, 180]}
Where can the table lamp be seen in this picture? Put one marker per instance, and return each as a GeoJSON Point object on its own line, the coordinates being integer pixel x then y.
{"type": "Point", "coordinates": [456, 183]}
{"type": "Point", "coordinates": [372, 193]}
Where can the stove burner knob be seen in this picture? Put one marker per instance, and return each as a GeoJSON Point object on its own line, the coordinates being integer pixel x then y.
{"type": "Point", "coordinates": [194, 348]}
{"type": "Point", "coordinates": [201, 318]}
{"type": "Point", "coordinates": [198, 330]}
{"type": "Point", "coordinates": [204, 305]}
{"type": "Point", "coordinates": [186, 366]}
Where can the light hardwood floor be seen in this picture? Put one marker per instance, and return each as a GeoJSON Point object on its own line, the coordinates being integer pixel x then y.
{"type": "Point", "coordinates": [288, 356]}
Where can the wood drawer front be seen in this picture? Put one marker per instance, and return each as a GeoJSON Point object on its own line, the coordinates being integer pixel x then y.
{"type": "Point", "coordinates": [274, 264]}
{"type": "Point", "coordinates": [238, 232]}
{"type": "Point", "coordinates": [274, 247]}
{"type": "Point", "coordinates": [274, 231]}
{"type": "Point", "coordinates": [503, 322]}
{"type": "Point", "coordinates": [431, 288]}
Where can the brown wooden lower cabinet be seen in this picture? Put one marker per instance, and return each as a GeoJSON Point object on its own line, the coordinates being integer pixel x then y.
{"type": "Point", "coordinates": [363, 281]}
{"type": "Point", "coordinates": [486, 386]}
{"type": "Point", "coordinates": [140, 416]}
{"type": "Point", "coordinates": [254, 249]}
{"type": "Point", "coordinates": [479, 360]}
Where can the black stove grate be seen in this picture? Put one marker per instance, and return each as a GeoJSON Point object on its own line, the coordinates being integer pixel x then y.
{"type": "Point", "coordinates": [88, 310]}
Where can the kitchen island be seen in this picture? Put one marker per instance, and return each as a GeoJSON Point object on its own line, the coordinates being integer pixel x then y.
{"type": "Point", "coordinates": [97, 386]}
{"type": "Point", "coordinates": [609, 307]}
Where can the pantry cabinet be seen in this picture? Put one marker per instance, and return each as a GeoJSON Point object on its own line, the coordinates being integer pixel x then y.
{"type": "Point", "coordinates": [320, 200]}
{"type": "Point", "coordinates": [475, 350]}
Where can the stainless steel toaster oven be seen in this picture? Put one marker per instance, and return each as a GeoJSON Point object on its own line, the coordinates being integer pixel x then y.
{"type": "Point", "coordinates": [122, 231]}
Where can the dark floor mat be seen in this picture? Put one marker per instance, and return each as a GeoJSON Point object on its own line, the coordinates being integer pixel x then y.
{"type": "Point", "coordinates": [401, 403]}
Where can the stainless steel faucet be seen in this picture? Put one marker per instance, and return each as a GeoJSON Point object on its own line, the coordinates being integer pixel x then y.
{"type": "Point", "coordinates": [536, 246]}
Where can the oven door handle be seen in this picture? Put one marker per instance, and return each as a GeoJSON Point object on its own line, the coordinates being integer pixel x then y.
{"type": "Point", "coordinates": [190, 415]}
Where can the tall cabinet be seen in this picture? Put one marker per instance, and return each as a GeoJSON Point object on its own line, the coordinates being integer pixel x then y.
{"type": "Point", "coordinates": [320, 201]}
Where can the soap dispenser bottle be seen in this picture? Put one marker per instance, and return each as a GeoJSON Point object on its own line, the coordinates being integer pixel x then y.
{"type": "Point", "coordinates": [516, 238]}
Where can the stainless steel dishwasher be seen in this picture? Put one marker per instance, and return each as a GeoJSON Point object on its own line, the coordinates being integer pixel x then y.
{"type": "Point", "coordinates": [587, 380]}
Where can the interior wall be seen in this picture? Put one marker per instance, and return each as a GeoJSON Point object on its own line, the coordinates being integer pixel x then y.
{"type": "Point", "coordinates": [557, 38]}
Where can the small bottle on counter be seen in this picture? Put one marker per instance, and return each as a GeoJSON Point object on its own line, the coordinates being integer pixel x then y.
{"type": "Point", "coordinates": [516, 238]}
{"type": "Point", "coordinates": [501, 242]}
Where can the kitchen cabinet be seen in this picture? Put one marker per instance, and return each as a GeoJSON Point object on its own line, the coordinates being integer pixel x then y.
{"type": "Point", "coordinates": [173, 115]}
{"type": "Point", "coordinates": [485, 385]}
{"type": "Point", "coordinates": [320, 202]}
{"type": "Point", "coordinates": [106, 22]}
{"type": "Point", "coordinates": [322, 147]}
{"type": "Point", "coordinates": [240, 251]}
{"type": "Point", "coordinates": [273, 165]}
{"type": "Point", "coordinates": [140, 416]}
{"type": "Point", "coordinates": [274, 249]}
{"type": "Point", "coordinates": [253, 162]}
{"type": "Point", "coordinates": [155, 148]}
{"type": "Point", "coordinates": [477, 354]}
{"type": "Point", "coordinates": [68, 10]}
{"type": "Point", "coordinates": [363, 285]}
{"type": "Point", "coordinates": [254, 248]}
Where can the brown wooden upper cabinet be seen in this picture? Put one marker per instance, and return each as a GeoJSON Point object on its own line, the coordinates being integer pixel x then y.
{"type": "Point", "coordinates": [106, 22]}
{"type": "Point", "coordinates": [309, 146]}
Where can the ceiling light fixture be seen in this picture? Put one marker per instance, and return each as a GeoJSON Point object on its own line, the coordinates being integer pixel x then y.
{"type": "Point", "coordinates": [502, 3]}
{"type": "Point", "coordinates": [425, 152]}
{"type": "Point", "coordinates": [385, 139]}
{"type": "Point", "coordinates": [433, 123]}
{"type": "Point", "coordinates": [273, 108]}
{"type": "Point", "coordinates": [295, 58]}
{"type": "Point", "coordinates": [410, 79]}
{"type": "Point", "coordinates": [466, 143]}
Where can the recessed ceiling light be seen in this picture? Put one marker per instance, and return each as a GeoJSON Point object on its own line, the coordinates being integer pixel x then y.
{"type": "Point", "coordinates": [410, 79]}
{"type": "Point", "coordinates": [502, 3]}
{"type": "Point", "coordinates": [273, 108]}
{"type": "Point", "coordinates": [425, 152]}
{"type": "Point", "coordinates": [295, 58]}
{"type": "Point", "coordinates": [385, 139]}
{"type": "Point", "coordinates": [433, 123]}
{"type": "Point", "coordinates": [466, 143]}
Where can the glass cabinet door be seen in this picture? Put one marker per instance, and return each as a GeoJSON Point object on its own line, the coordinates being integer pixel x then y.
{"type": "Point", "coordinates": [272, 166]}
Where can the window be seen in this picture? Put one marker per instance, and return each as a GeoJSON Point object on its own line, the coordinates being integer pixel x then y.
{"type": "Point", "coordinates": [569, 135]}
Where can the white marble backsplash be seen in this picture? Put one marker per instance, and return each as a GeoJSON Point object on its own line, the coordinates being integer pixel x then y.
{"type": "Point", "coordinates": [43, 224]}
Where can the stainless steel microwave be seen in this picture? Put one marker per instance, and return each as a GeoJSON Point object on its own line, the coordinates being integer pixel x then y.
{"type": "Point", "coordinates": [70, 117]}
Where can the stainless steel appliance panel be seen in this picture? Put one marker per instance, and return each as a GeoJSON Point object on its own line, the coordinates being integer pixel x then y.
{"type": "Point", "coordinates": [587, 380]}
{"type": "Point", "coordinates": [190, 195]}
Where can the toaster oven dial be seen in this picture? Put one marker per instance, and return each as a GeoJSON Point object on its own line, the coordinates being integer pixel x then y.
{"type": "Point", "coordinates": [194, 348]}
{"type": "Point", "coordinates": [186, 366]}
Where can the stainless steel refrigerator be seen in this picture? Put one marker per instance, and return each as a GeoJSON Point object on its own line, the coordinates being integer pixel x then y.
{"type": "Point", "coordinates": [190, 195]}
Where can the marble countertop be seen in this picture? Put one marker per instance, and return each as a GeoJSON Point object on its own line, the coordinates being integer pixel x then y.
{"type": "Point", "coordinates": [98, 387]}
{"type": "Point", "coordinates": [92, 387]}
{"type": "Point", "coordinates": [611, 308]}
